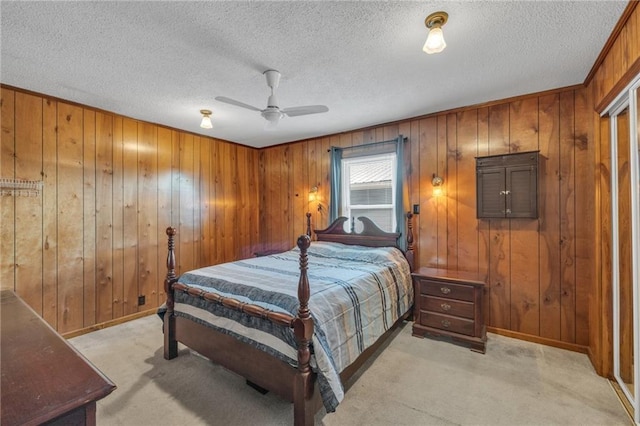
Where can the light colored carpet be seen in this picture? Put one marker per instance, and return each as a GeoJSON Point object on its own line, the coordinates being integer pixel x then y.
{"type": "Point", "coordinates": [410, 381]}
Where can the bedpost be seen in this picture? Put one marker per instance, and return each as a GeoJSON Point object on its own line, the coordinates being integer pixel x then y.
{"type": "Point", "coordinates": [309, 224]}
{"type": "Point", "coordinates": [410, 252]}
{"type": "Point", "coordinates": [170, 342]}
{"type": "Point", "coordinates": [303, 409]}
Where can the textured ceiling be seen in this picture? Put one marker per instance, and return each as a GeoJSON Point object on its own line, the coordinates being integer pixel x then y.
{"type": "Point", "coordinates": [164, 61]}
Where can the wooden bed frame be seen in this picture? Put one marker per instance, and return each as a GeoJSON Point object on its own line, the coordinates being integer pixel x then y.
{"type": "Point", "coordinates": [297, 385]}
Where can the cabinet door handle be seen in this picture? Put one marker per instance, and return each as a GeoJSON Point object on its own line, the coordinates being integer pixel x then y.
{"type": "Point", "coordinates": [445, 306]}
{"type": "Point", "coordinates": [445, 290]}
{"type": "Point", "coordinates": [445, 323]}
{"type": "Point", "coordinates": [505, 192]}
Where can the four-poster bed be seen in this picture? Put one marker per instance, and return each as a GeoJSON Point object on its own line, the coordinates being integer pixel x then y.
{"type": "Point", "coordinates": [283, 339]}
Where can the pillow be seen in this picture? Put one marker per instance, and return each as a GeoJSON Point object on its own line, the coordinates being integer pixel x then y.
{"type": "Point", "coordinates": [354, 252]}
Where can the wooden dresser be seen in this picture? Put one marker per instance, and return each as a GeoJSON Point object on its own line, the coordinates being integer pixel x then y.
{"type": "Point", "coordinates": [44, 379]}
{"type": "Point", "coordinates": [450, 304]}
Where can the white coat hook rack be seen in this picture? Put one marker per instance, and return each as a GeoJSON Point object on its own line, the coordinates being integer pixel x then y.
{"type": "Point", "coordinates": [20, 187]}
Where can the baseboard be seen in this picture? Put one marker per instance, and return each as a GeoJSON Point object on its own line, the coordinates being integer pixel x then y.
{"type": "Point", "coordinates": [110, 323]}
{"type": "Point", "coordinates": [537, 339]}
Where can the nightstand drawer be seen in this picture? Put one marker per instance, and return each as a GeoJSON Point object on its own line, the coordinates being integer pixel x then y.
{"type": "Point", "coordinates": [448, 290]}
{"type": "Point", "coordinates": [447, 306]}
{"type": "Point", "coordinates": [447, 322]}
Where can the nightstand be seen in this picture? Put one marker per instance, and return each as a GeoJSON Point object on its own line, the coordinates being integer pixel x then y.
{"type": "Point", "coordinates": [450, 304]}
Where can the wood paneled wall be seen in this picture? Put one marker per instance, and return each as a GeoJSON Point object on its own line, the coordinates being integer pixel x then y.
{"type": "Point", "coordinates": [94, 239]}
{"type": "Point", "coordinates": [618, 65]}
{"type": "Point", "coordinates": [539, 271]}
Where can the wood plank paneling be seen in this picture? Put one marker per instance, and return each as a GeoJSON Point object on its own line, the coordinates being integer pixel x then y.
{"type": "Point", "coordinates": [300, 190]}
{"type": "Point", "coordinates": [118, 207]}
{"type": "Point", "coordinates": [467, 150]}
{"type": "Point", "coordinates": [7, 204]}
{"type": "Point", "coordinates": [524, 234]}
{"type": "Point", "coordinates": [428, 212]}
{"type": "Point", "coordinates": [451, 194]}
{"type": "Point", "coordinates": [130, 216]}
{"type": "Point", "coordinates": [165, 208]}
{"type": "Point", "coordinates": [549, 209]}
{"type": "Point", "coordinates": [206, 212]}
{"type": "Point", "coordinates": [111, 187]}
{"type": "Point", "coordinates": [413, 163]}
{"type": "Point", "coordinates": [89, 217]}
{"type": "Point", "coordinates": [28, 210]}
{"type": "Point", "coordinates": [441, 200]}
{"type": "Point", "coordinates": [142, 177]}
{"type": "Point", "coordinates": [499, 236]}
{"type": "Point", "coordinates": [186, 232]}
{"type": "Point", "coordinates": [519, 257]}
{"type": "Point", "coordinates": [197, 210]}
{"type": "Point", "coordinates": [70, 213]}
{"type": "Point", "coordinates": [567, 219]}
{"type": "Point", "coordinates": [584, 196]}
{"type": "Point", "coordinates": [104, 217]}
{"type": "Point", "coordinates": [147, 192]}
{"type": "Point", "coordinates": [49, 213]}
{"type": "Point", "coordinates": [230, 173]}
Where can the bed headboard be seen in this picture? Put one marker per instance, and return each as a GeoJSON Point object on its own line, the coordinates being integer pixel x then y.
{"type": "Point", "coordinates": [370, 236]}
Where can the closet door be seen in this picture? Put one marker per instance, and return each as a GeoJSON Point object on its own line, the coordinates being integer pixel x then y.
{"type": "Point", "coordinates": [625, 194]}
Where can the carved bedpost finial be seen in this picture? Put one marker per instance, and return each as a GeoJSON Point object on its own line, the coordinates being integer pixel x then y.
{"type": "Point", "coordinates": [169, 326]}
{"type": "Point", "coordinates": [171, 267]}
{"type": "Point", "coordinates": [409, 231]}
{"type": "Point", "coordinates": [303, 323]}
{"type": "Point", "coordinates": [303, 284]}
{"type": "Point", "coordinates": [410, 251]}
{"type": "Point", "coordinates": [309, 224]}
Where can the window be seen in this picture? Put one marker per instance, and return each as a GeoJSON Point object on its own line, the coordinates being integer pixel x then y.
{"type": "Point", "coordinates": [367, 180]}
{"type": "Point", "coordinates": [368, 188]}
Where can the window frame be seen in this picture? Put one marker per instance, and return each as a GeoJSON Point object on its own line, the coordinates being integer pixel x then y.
{"type": "Point", "coordinates": [345, 185]}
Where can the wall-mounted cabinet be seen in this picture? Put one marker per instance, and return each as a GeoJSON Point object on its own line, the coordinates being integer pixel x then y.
{"type": "Point", "coordinates": [507, 185]}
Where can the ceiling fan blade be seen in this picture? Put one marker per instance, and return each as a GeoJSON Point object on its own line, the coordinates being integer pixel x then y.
{"type": "Point", "coordinates": [304, 110]}
{"type": "Point", "coordinates": [236, 103]}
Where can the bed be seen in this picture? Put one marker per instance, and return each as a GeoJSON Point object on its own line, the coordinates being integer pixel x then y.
{"type": "Point", "coordinates": [298, 323]}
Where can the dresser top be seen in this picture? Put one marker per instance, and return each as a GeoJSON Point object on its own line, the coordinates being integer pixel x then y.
{"type": "Point", "coordinates": [450, 275]}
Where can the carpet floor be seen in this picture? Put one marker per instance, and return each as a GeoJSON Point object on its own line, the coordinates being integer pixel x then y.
{"type": "Point", "coordinates": [409, 381]}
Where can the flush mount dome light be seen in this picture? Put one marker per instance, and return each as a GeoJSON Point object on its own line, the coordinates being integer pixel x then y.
{"type": "Point", "coordinates": [435, 40]}
{"type": "Point", "coordinates": [206, 119]}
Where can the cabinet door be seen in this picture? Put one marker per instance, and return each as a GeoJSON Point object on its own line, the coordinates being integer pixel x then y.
{"type": "Point", "coordinates": [521, 183]}
{"type": "Point", "coordinates": [490, 192]}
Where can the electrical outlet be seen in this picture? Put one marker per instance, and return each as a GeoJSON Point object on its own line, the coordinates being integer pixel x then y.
{"type": "Point", "coordinates": [141, 300]}
{"type": "Point", "coordinates": [416, 209]}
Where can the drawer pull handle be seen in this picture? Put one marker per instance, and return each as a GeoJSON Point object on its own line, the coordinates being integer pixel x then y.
{"type": "Point", "coordinates": [445, 290]}
{"type": "Point", "coordinates": [445, 323]}
{"type": "Point", "coordinates": [445, 306]}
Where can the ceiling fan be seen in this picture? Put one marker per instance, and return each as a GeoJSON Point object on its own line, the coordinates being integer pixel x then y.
{"type": "Point", "coordinates": [273, 113]}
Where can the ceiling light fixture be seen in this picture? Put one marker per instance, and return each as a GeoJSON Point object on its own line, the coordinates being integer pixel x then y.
{"type": "Point", "coordinates": [435, 40]}
{"type": "Point", "coordinates": [206, 119]}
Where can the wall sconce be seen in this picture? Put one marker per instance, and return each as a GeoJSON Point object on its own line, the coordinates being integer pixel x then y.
{"type": "Point", "coordinates": [313, 193]}
{"type": "Point", "coordinates": [437, 183]}
{"type": "Point", "coordinates": [206, 119]}
{"type": "Point", "coordinates": [435, 40]}
{"type": "Point", "coordinates": [314, 196]}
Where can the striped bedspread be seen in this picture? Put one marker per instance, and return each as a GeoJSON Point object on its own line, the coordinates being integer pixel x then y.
{"type": "Point", "coordinates": [357, 293]}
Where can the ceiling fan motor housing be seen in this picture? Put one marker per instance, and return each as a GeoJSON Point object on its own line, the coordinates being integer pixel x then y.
{"type": "Point", "coordinates": [272, 114]}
